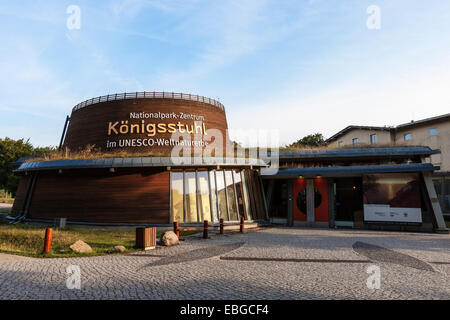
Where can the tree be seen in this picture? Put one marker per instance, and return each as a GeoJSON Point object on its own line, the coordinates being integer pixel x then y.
{"type": "Point", "coordinates": [311, 140]}
{"type": "Point", "coordinates": [10, 151]}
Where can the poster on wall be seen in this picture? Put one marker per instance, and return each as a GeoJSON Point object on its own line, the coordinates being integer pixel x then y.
{"type": "Point", "coordinates": [392, 198]}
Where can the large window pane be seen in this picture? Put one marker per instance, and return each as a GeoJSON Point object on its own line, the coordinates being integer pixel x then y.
{"type": "Point", "coordinates": [190, 197]}
{"type": "Point", "coordinates": [238, 188]}
{"type": "Point", "coordinates": [221, 193]}
{"type": "Point", "coordinates": [231, 197]}
{"type": "Point", "coordinates": [203, 195]}
{"type": "Point", "coordinates": [177, 196]}
{"type": "Point", "coordinates": [279, 200]}
{"type": "Point", "coordinates": [256, 193]}
{"type": "Point", "coordinates": [212, 183]}
{"type": "Point", "coordinates": [246, 196]}
{"type": "Point", "coordinates": [446, 195]}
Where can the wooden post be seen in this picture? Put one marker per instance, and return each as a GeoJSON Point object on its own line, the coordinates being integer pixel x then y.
{"type": "Point", "coordinates": [176, 229]}
{"type": "Point", "coordinates": [205, 229]}
{"type": "Point", "coordinates": [242, 224]}
{"type": "Point", "coordinates": [221, 226]}
{"type": "Point", "coordinates": [48, 240]}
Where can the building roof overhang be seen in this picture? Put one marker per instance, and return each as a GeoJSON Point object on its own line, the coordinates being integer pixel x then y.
{"type": "Point", "coordinates": [442, 117]}
{"type": "Point", "coordinates": [356, 153]}
{"type": "Point", "coordinates": [294, 173]}
{"type": "Point", "coordinates": [139, 162]}
{"type": "Point", "coordinates": [353, 127]}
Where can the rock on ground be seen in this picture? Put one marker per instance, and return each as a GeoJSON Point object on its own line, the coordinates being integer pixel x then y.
{"type": "Point", "coordinates": [119, 248]}
{"type": "Point", "coordinates": [81, 247]}
{"type": "Point", "coordinates": [169, 238]}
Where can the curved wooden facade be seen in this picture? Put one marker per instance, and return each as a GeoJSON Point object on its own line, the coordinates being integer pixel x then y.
{"type": "Point", "coordinates": [140, 190]}
{"type": "Point", "coordinates": [130, 195]}
{"type": "Point", "coordinates": [90, 125]}
{"type": "Point", "coordinates": [138, 195]}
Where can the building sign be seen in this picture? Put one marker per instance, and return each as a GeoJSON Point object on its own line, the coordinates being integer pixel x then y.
{"type": "Point", "coordinates": [149, 125]}
{"type": "Point", "coordinates": [392, 198]}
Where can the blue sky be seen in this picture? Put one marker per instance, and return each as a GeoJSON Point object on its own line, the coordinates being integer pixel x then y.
{"type": "Point", "coordinates": [296, 66]}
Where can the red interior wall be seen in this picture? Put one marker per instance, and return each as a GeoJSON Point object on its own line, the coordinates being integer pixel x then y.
{"type": "Point", "coordinates": [321, 212]}
{"type": "Point", "coordinates": [297, 186]}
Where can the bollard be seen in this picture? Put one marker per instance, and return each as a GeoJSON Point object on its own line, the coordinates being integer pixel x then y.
{"type": "Point", "coordinates": [176, 229]}
{"type": "Point", "coordinates": [242, 225]}
{"type": "Point", "coordinates": [146, 238]}
{"type": "Point", "coordinates": [48, 240]}
{"type": "Point", "coordinates": [205, 229]}
{"type": "Point", "coordinates": [221, 226]}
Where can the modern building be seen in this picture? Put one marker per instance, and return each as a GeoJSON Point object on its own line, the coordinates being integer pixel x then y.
{"type": "Point", "coordinates": [367, 188]}
{"type": "Point", "coordinates": [153, 158]}
{"type": "Point", "coordinates": [432, 132]}
{"type": "Point", "coordinates": [140, 181]}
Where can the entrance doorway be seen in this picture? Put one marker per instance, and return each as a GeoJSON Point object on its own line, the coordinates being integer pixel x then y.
{"type": "Point", "coordinates": [349, 202]}
{"type": "Point", "coordinates": [318, 213]}
{"type": "Point", "coordinates": [278, 201]}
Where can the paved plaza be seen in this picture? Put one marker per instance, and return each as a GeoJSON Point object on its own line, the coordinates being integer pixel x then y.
{"type": "Point", "coordinates": [271, 263]}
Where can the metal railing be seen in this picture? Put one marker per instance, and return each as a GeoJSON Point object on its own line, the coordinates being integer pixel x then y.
{"type": "Point", "coordinates": [149, 95]}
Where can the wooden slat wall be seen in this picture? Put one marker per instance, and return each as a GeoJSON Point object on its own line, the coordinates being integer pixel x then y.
{"type": "Point", "coordinates": [101, 196]}
{"type": "Point", "coordinates": [89, 125]}
{"type": "Point", "coordinates": [20, 195]}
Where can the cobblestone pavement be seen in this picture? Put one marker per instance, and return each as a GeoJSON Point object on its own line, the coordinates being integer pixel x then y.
{"type": "Point", "coordinates": [338, 271]}
{"type": "Point", "coordinates": [12, 257]}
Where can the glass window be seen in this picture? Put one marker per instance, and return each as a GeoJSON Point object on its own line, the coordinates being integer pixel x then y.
{"type": "Point", "coordinates": [190, 197]}
{"type": "Point", "coordinates": [177, 196]}
{"type": "Point", "coordinates": [212, 183]}
{"type": "Point", "coordinates": [203, 196]}
{"type": "Point", "coordinates": [433, 132]}
{"type": "Point", "coordinates": [438, 185]}
{"type": "Point", "coordinates": [355, 141]}
{"type": "Point", "coordinates": [248, 175]}
{"type": "Point", "coordinates": [373, 138]}
{"type": "Point", "coordinates": [256, 195]}
{"type": "Point", "coordinates": [221, 195]}
{"type": "Point", "coordinates": [279, 199]}
{"type": "Point", "coordinates": [340, 143]}
{"type": "Point", "coordinates": [230, 196]}
{"type": "Point", "coordinates": [246, 196]}
{"type": "Point", "coordinates": [407, 136]}
{"type": "Point", "coordinates": [238, 188]}
{"type": "Point", "coordinates": [446, 195]}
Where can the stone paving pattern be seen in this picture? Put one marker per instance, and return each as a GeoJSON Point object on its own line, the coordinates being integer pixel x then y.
{"type": "Point", "coordinates": [139, 276]}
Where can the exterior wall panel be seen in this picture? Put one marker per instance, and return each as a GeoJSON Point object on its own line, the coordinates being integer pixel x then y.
{"type": "Point", "coordinates": [89, 125]}
{"type": "Point", "coordinates": [99, 196]}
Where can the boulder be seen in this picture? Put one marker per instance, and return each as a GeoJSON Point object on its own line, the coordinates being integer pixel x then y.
{"type": "Point", "coordinates": [81, 247]}
{"type": "Point", "coordinates": [119, 248]}
{"type": "Point", "coordinates": [169, 238]}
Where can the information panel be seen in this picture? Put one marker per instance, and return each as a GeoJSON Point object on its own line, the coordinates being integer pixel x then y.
{"type": "Point", "coordinates": [392, 198]}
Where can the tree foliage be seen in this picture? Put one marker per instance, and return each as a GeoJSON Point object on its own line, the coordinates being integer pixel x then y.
{"type": "Point", "coordinates": [311, 140]}
{"type": "Point", "coordinates": [10, 151]}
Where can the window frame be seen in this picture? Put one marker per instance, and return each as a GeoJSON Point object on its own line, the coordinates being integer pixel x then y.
{"type": "Point", "coordinates": [250, 200]}
{"type": "Point", "coordinates": [409, 134]}
{"type": "Point", "coordinates": [430, 130]}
